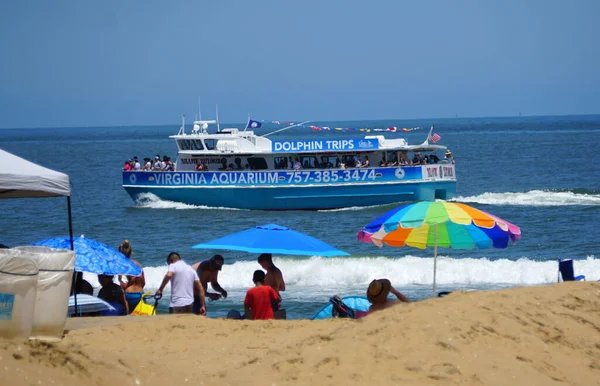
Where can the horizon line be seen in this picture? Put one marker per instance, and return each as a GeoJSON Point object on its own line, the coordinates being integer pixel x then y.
{"type": "Point", "coordinates": [325, 121]}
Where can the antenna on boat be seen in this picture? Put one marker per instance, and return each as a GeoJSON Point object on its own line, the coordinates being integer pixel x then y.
{"type": "Point", "coordinates": [218, 126]}
{"type": "Point", "coordinates": [182, 128]}
{"type": "Point", "coordinates": [199, 110]}
{"type": "Point", "coordinates": [247, 122]}
{"type": "Point", "coordinates": [285, 128]}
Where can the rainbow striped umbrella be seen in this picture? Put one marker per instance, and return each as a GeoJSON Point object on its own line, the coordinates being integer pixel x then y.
{"type": "Point", "coordinates": [439, 224]}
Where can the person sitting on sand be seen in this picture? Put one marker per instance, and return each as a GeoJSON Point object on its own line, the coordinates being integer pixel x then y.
{"type": "Point", "coordinates": [81, 286]}
{"type": "Point", "coordinates": [259, 299]}
{"type": "Point", "coordinates": [185, 286]}
{"type": "Point", "coordinates": [377, 294]}
{"type": "Point", "coordinates": [134, 286]}
{"type": "Point", "coordinates": [208, 271]}
{"type": "Point", "coordinates": [113, 294]}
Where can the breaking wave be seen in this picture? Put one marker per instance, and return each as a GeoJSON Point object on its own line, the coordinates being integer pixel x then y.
{"type": "Point", "coordinates": [151, 201]}
{"type": "Point", "coordinates": [535, 198]}
{"type": "Point", "coordinates": [409, 271]}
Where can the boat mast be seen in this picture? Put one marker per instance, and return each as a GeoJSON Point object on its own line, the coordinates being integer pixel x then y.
{"type": "Point", "coordinates": [199, 110]}
{"type": "Point", "coordinates": [247, 122]}
{"type": "Point", "coordinates": [218, 126]}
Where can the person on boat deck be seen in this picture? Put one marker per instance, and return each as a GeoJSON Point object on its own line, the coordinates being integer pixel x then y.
{"type": "Point", "coordinates": [113, 294]}
{"type": "Point", "coordinates": [185, 287]}
{"type": "Point", "coordinates": [377, 294]}
{"type": "Point", "coordinates": [168, 166]}
{"type": "Point", "coordinates": [274, 277]}
{"type": "Point", "coordinates": [448, 158]}
{"type": "Point", "coordinates": [357, 162]}
{"type": "Point", "coordinates": [433, 159]}
{"type": "Point", "coordinates": [416, 159]}
{"type": "Point", "coordinates": [147, 164]}
{"type": "Point", "coordinates": [425, 160]}
{"type": "Point", "coordinates": [297, 164]}
{"type": "Point", "coordinates": [134, 286]}
{"type": "Point", "coordinates": [259, 299]}
{"type": "Point", "coordinates": [208, 271]}
{"type": "Point", "coordinates": [238, 164]}
{"type": "Point", "coordinates": [366, 162]}
{"type": "Point", "coordinates": [127, 165]}
{"type": "Point", "coordinates": [157, 165]}
{"type": "Point", "coordinates": [136, 164]}
{"type": "Point", "coordinates": [199, 167]}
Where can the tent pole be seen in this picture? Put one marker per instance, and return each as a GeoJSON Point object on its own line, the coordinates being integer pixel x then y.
{"type": "Point", "coordinates": [73, 249]}
{"type": "Point", "coordinates": [435, 234]}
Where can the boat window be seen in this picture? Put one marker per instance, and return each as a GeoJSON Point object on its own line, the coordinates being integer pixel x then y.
{"type": "Point", "coordinates": [211, 144]}
{"type": "Point", "coordinates": [196, 144]}
{"type": "Point", "coordinates": [310, 162]}
{"type": "Point", "coordinates": [257, 163]}
{"type": "Point", "coordinates": [392, 158]}
{"type": "Point", "coordinates": [330, 161]}
{"type": "Point", "coordinates": [349, 160]}
{"type": "Point", "coordinates": [183, 144]}
{"type": "Point", "coordinates": [281, 162]}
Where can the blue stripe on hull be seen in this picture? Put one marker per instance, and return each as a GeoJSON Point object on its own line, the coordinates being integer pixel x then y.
{"type": "Point", "coordinates": [307, 197]}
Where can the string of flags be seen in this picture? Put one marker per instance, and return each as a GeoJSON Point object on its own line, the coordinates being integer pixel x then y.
{"type": "Point", "coordinates": [392, 129]}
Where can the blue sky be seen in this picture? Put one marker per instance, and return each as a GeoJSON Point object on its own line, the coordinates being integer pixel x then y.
{"type": "Point", "coordinates": [94, 63]}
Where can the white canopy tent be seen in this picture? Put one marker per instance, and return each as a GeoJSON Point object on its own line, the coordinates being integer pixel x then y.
{"type": "Point", "coordinates": [20, 178]}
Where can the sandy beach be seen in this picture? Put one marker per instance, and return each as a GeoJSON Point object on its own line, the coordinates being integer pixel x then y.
{"type": "Point", "coordinates": [523, 336]}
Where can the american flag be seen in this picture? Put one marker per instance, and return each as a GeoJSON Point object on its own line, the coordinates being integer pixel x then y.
{"type": "Point", "coordinates": [435, 138]}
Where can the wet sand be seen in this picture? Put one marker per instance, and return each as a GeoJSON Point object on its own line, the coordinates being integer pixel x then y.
{"type": "Point", "coordinates": [523, 336]}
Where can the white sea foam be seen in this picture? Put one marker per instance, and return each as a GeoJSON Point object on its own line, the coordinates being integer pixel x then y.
{"type": "Point", "coordinates": [532, 198]}
{"type": "Point", "coordinates": [149, 200]}
{"type": "Point", "coordinates": [349, 209]}
{"type": "Point", "coordinates": [409, 271]}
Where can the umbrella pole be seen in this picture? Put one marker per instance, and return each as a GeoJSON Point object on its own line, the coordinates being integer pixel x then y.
{"type": "Point", "coordinates": [434, 257]}
{"type": "Point", "coordinates": [73, 249]}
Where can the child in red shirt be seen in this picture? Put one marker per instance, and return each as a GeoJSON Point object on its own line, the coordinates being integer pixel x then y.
{"type": "Point", "coordinates": [259, 300]}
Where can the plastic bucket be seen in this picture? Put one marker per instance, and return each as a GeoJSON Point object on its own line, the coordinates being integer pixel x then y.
{"type": "Point", "coordinates": [53, 289]}
{"type": "Point", "coordinates": [18, 286]}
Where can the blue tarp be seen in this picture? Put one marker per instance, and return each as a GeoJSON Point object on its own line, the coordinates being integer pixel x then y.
{"type": "Point", "coordinates": [357, 303]}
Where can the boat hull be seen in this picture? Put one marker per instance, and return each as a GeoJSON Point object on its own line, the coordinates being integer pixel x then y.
{"type": "Point", "coordinates": [282, 193]}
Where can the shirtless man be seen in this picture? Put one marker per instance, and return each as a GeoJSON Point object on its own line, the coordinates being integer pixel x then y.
{"type": "Point", "coordinates": [377, 294]}
{"type": "Point", "coordinates": [134, 283]}
{"type": "Point", "coordinates": [274, 277]}
{"type": "Point", "coordinates": [208, 271]}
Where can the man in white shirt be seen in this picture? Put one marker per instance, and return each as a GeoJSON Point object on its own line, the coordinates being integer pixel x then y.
{"type": "Point", "coordinates": [184, 285]}
{"type": "Point", "coordinates": [136, 164]}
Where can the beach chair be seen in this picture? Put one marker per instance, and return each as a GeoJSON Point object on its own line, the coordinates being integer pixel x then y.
{"type": "Point", "coordinates": [565, 268]}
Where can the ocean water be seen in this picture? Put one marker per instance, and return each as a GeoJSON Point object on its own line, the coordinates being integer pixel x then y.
{"type": "Point", "coordinates": [541, 173]}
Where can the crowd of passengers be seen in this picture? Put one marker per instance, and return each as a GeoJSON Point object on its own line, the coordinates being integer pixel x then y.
{"type": "Point", "coordinates": [133, 164]}
{"type": "Point", "coordinates": [297, 163]}
{"type": "Point", "coordinates": [357, 161]}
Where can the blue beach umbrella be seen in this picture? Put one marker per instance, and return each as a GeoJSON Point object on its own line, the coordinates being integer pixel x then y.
{"type": "Point", "coordinates": [88, 303]}
{"type": "Point", "coordinates": [274, 239]}
{"type": "Point", "coordinates": [95, 257]}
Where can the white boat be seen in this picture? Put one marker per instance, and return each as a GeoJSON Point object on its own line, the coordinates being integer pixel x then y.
{"type": "Point", "coordinates": [238, 169]}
